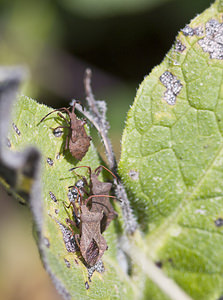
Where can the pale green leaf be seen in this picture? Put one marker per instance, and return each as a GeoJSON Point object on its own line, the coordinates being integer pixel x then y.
{"type": "Point", "coordinates": [172, 159]}
{"type": "Point", "coordinates": [66, 268]}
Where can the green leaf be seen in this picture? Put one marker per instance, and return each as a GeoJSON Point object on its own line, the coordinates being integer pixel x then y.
{"type": "Point", "coordinates": [172, 159]}
{"type": "Point", "coordinates": [54, 237]}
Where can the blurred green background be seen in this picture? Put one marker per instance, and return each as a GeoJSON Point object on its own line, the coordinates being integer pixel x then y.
{"type": "Point", "coordinates": [121, 41]}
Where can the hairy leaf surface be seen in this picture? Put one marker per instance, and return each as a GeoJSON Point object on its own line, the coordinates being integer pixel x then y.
{"type": "Point", "coordinates": [172, 158]}
{"type": "Point", "coordinates": [57, 246]}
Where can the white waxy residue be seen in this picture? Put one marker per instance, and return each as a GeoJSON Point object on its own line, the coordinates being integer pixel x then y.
{"type": "Point", "coordinates": [213, 41]}
{"type": "Point", "coordinates": [134, 174]}
{"type": "Point", "coordinates": [179, 47]}
{"type": "Point", "coordinates": [173, 86]}
{"type": "Point", "coordinates": [200, 211]}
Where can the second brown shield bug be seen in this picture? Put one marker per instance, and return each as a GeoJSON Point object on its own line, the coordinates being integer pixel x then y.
{"type": "Point", "coordinates": [90, 241]}
{"type": "Point", "coordinates": [99, 192]}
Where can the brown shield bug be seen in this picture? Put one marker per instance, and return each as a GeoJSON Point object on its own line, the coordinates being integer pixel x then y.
{"type": "Point", "coordinates": [77, 141]}
{"type": "Point", "coordinates": [91, 243]}
{"type": "Point", "coordinates": [99, 192]}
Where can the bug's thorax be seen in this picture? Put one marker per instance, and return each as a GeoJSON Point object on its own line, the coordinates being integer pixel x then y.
{"type": "Point", "coordinates": [90, 217]}
{"type": "Point", "coordinates": [98, 187]}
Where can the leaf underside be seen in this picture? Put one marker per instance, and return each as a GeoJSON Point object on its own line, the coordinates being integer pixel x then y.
{"type": "Point", "coordinates": [57, 246]}
{"type": "Point", "coordinates": [172, 159]}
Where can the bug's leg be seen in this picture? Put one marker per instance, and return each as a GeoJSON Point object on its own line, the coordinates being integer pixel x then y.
{"type": "Point", "coordinates": [48, 115]}
{"type": "Point", "coordinates": [68, 206]}
{"type": "Point", "coordinates": [85, 192]}
{"type": "Point", "coordinates": [64, 109]}
{"type": "Point", "coordinates": [80, 176]}
{"type": "Point", "coordinates": [74, 104]}
{"type": "Point", "coordinates": [60, 109]}
{"type": "Point", "coordinates": [67, 138]}
{"type": "Point", "coordinates": [93, 196]}
{"type": "Point", "coordinates": [60, 127]}
{"type": "Point", "coordinates": [76, 210]}
{"type": "Point", "coordinates": [82, 188]}
{"type": "Point", "coordinates": [60, 115]}
{"type": "Point", "coordinates": [84, 179]}
{"type": "Point", "coordinates": [73, 107]}
{"type": "Point", "coordinates": [66, 144]}
{"type": "Point", "coordinates": [73, 202]}
{"type": "Point", "coordinates": [85, 183]}
{"type": "Point", "coordinates": [77, 236]}
{"type": "Point", "coordinates": [99, 169]}
{"type": "Point", "coordinates": [89, 169]}
{"type": "Point", "coordinates": [69, 223]}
